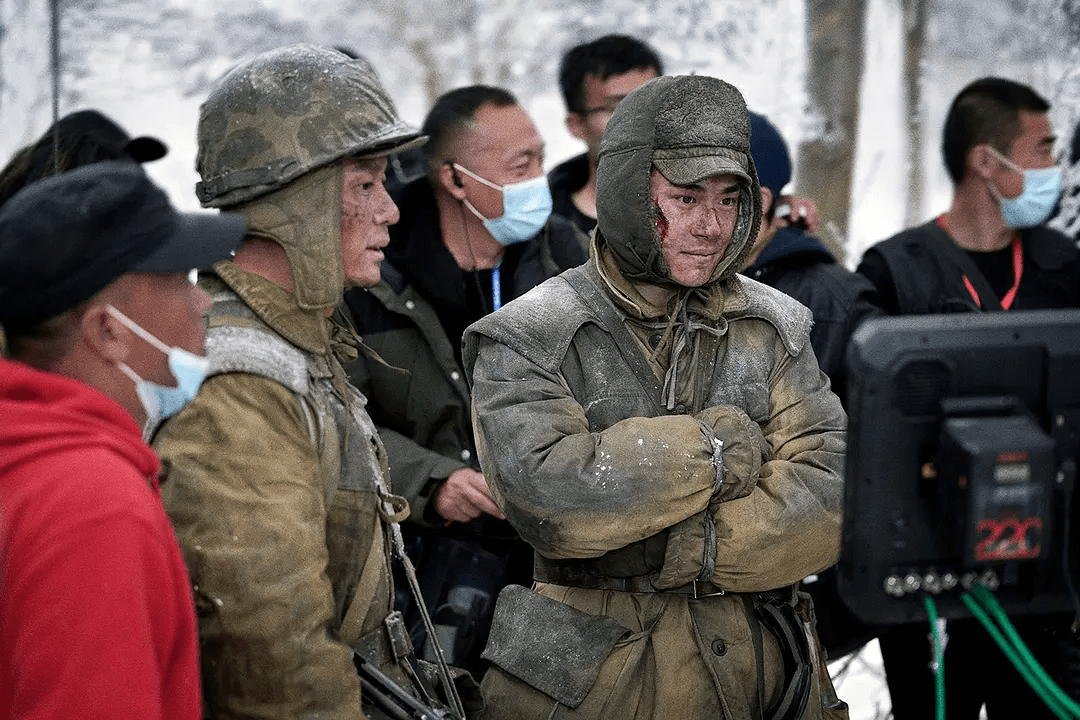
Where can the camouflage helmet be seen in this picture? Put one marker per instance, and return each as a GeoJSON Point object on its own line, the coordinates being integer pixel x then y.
{"type": "Point", "coordinates": [289, 111]}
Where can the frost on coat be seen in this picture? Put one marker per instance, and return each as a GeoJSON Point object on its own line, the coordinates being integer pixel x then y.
{"type": "Point", "coordinates": [602, 423]}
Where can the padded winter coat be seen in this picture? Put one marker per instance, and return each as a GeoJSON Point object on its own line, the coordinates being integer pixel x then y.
{"type": "Point", "coordinates": [271, 477]}
{"type": "Point", "coordinates": [587, 466]}
{"type": "Point", "coordinates": [677, 469]}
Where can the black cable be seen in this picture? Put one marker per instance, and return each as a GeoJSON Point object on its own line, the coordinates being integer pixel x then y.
{"type": "Point", "coordinates": [1069, 469]}
{"type": "Point", "coordinates": [474, 271]}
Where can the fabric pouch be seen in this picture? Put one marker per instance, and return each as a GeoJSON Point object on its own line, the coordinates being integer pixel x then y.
{"type": "Point", "coordinates": [549, 645]}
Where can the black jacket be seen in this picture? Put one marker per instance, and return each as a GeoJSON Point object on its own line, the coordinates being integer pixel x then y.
{"type": "Point", "coordinates": [921, 270]}
{"type": "Point", "coordinates": [565, 179]}
{"type": "Point", "coordinates": [799, 265]}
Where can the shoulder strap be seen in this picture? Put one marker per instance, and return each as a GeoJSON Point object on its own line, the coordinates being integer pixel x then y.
{"type": "Point", "coordinates": [352, 623]}
{"type": "Point", "coordinates": [236, 348]}
{"type": "Point", "coordinates": [237, 342]}
{"type": "Point", "coordinates": [587, 285]}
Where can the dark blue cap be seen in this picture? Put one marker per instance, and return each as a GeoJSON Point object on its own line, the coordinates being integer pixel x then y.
{"type": "Point", "coordinates": [770, 155]}
{"type": "Point", "coordinates": [65, 238]}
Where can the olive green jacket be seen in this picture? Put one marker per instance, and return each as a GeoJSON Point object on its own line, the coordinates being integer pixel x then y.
{"type": "Point", "coordinates": [272, 477]}
{"type": "Point", "coordinates": [418, 392]}
{"type": "Point", "coordinates": [601, 475]}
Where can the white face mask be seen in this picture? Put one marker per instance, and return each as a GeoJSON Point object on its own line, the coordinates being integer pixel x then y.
{"type": "Point", "coordinates": [526, 207]}
{"type": "Point", "coordinates": [162, 401]}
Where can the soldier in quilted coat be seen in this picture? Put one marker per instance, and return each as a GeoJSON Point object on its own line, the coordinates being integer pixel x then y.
{"type": "Point", "coordinates": [274, 476]}
{"type": "Point", "coordinates": [657, 427]}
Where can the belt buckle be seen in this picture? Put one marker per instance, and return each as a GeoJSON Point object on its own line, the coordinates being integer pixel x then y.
{"type": "Point", "coordinates": [702, 593]}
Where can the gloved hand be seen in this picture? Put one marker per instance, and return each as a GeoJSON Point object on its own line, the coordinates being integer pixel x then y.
{"type": "Point", "coordinates": [686, 551]}
{"type": "Point", "coordinates": [739, 449]}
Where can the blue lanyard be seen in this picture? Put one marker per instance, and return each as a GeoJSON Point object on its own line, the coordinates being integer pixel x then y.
{"type": "Point", "coordinates": [496, 289]}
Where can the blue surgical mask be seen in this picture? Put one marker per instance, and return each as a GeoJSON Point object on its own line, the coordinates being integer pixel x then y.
{"type": "Point", "coordinates": [1037, 199]}
{"type": "Point", "coordinates": [162, 401]}
{"type": "Point", "coordinates": [526, 207]}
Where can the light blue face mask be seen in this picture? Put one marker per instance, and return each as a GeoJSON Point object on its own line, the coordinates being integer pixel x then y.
{"type": "Point", "coordinates": [526, 207]}
{"type": "Point", "coordinates": [162, 401]}
{"type": "Point", "coordinates": [1041, 191]}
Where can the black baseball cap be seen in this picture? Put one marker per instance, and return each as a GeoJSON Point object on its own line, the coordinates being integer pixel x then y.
{"type": "Point", "coordinates": [96, 130]}
{"type": "Point", "coordinates": [65, 238]}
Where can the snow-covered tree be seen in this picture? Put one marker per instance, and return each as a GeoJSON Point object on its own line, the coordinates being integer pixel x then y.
{"type": "Point", "coordinates": [25, 87]}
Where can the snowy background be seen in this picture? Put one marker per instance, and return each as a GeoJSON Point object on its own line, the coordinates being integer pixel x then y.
{"type": "Point", "coordinates": [150, 63]}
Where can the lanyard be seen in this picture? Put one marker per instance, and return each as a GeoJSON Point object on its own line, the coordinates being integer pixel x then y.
{"type": "Point", "coordinates": [496, 289]}
{"type": "Point", "coordinates": [1018, 272]}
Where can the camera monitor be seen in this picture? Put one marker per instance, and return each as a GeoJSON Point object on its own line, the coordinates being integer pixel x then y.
{"type": "Point", "coordinates": [962, 453]}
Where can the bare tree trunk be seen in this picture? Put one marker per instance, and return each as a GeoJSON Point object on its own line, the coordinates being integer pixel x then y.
{"type": "Point", "coordinates": [835, 44]}
{"type": "Point", "coordinates": [916, 13]}
{"type": "Point", "coordinates": [421, 46]}
{"type": "Point", "coordinates": [25, 72]}
{"type": "Point", "coordinates": [502, 72]}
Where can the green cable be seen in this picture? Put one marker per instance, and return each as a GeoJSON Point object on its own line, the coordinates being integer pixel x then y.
{"type": "Point", "coordinates": [1018, 662]}
{"type": "Point", "coordinates": [1013, 656]}
{"type": "Point", "coordinates": [939, 659]}
{"type": "Point", "coordinates": [988, 601]}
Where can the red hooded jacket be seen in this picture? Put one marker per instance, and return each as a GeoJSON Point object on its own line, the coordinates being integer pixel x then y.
{"type": "Point", "coordinates": [96, 612]}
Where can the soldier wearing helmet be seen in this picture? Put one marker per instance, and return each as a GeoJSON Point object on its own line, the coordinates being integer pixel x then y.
{"type": "Point", "coordinates": [275, 478]}
{"type": "Point", "coordinates": [656, 426]}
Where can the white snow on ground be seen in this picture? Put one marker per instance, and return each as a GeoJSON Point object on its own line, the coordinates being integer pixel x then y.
{"type": "Point", "coordinates": [860, 681]}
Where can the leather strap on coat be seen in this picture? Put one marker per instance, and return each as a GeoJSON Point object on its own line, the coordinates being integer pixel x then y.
{"type": "Point", "coordinates": [575, 575]}
{"type": "Point", "coordinates": [767, 610]}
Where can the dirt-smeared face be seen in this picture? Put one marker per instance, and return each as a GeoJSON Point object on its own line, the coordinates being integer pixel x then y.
{"type": "Point", "coordinates": [367, 212]}
{"type": "Point", "coordinates": [695, 224]}
{"type": "Point", "coordinates": [691, 129]}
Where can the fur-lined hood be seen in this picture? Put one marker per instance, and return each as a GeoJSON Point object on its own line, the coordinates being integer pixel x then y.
{"type": "Point", "coordinates": [690, 119]}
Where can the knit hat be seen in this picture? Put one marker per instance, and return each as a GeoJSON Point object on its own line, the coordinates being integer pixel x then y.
{"type": "Point", "coordinates": [770, 155]}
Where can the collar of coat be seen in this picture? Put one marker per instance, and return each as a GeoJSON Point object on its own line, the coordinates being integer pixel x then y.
{"type": "Point", "coordinates": [732, 298]}
{"type": "Point", "coordinates": [710, 301]}
{"type": "Point", "coordinates": [309, 330]}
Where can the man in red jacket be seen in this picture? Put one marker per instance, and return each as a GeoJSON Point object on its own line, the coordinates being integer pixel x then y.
{"type": "Point", "coordinates": [105, 334]}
